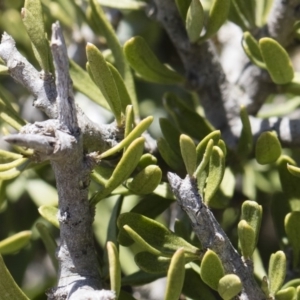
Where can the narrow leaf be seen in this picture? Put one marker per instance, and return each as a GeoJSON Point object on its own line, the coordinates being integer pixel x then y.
{"type": "Point", "coordinates": [194, 20]}
{"type": "Point", "coordinates": [104, 80]}
{"type": "Point", "coordinates": [251, 48]}
{"type": "Point", "coordinates": [282, 71]}
{"type": "Point", "coordinates": [114, 268]}
{"type": "Point", "coordinates": [245, 143]}
{"type": "Point", "coordinates": [153, 233]}
{"type": "Point", "coordinates": [15, 242]}
{"type": "Point", "coordinates": [146, 181]}
{"type": "Point", "coordinates": [123, 170]}
{"type": "Point", "coordinates": [32, 15]}
{"type": "Point", "coordinates": [50, 214]}
{"type": "Point", "coordinates": [215, 174]}
{"type": "Point", "coordinates": [143, 60]}
{"type": "Point", "coordinates": [188, 152]}
{"type": "Point", "coordinates": [246, 239]}
{"type": "Point", "coordinates": [49, 242]}
{"type": "Point", "coordinates": [102, 26]}
{"type": "Point", "coordinates": [175, 277]}
{"type": "Point", "coordinates": [136, 132]}
{"type": "Point", "coordinates": [292, 229]}
{"type": "Point", "coordinates": [8, 287]}
{"type": "Point", "coordinates": [217, 16]}
{"type": "Point", "coordinates": [120, 84]}
{"type": "Point", "coordinates": [277, 271]}
{"type": "Point", "coordinates": [83, 83]}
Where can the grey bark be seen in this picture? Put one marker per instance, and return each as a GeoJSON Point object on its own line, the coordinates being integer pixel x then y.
{"type": "Point", "coordinates": [61, 141]}
{"type": "Point", "coordinates": [220, 98]}
{"type": "Point", "coordinates": [212, 236]}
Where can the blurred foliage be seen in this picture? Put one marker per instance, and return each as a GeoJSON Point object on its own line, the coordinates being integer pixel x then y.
{"type": "Point", "coordinates": [135, 203]}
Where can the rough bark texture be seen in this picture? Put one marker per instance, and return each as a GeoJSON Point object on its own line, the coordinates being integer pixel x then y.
{"type": "Point", "coordinates": [61, 141]}
{"type": "Point", "coordinates": [220, 98]}
{"type": "Point", "coordinates": [212, 236]}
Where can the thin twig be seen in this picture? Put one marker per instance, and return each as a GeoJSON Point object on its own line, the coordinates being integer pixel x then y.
{"type": "Point", "coordinates": [212, 236]}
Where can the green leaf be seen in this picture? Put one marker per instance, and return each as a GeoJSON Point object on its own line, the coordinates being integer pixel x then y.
{"type": "Point", "coordinates": [129, 120]}
{"type": "Point", "coordinates": [3, 70]}
{"type": "Point", "coordinates": [217, 16]}
{"type": "Point", "coordinates": [155, 234]}
{"type": "Point", "coordinates": [277, 271]}
{"type": "Point", "coordinates": [169, 155]}
{"type": "Point", "coordinates": [114, 268]}
{"type": "Point", "coordinates": [122, 171]}
{"type": "Point", "coordinates": [215, 174]}
{"type": "Point", "coordinates": [188, 152]}
{"type": "Point", "coordinates": [120, 84]}
{"type": "Point", "coordinates": [211, 269]}
{"type": "Point", "coordinates": [268, 148]}
{"type": "Point", "coordinates": [9, 115]}
{"type": "Point", "coordinates": [14, 172]}
{"type": "Point", "coordinates": [175, 277]}
{"type": "Point", "coordinates": [252, 214]}
{"type": "Point", "coordinates": [194, 20]}
{"type": "Point", "coordinates": [289, 183]}
{"type": "Point", "coordinates": [50, 214]}
{"type": "Point", "coordinates": [124, 4]}
{"type": "Point", "coordinates": [7, 156]}
{"type": "Point", "coordinates": [41, 192]}
{"type": "Point", "coordinates": [279, 109]}
{"type": "Point", "coordinates": [102, 26]}
{"type": "Point", "coordinates": [146, 160]}
{"type": "Point", "coordinates": [146, 181]}
{"type": "Point", "coordinates": [171, 134]}
{"type": "Point", "coordinates": [246, 239]}
{"type": "Point", "coordinates": [104, 79]}
{"type": "Point", "coordinates": [136, 132]}
{"type": "Point", "coordinates": [8, 287]}
{"type": "Point", "coordinates": [32, 15]}
{"type": "Point", "coordinates": [152, 205]}
{"type": "Point", "coordinates": [151, 263]}
{"type": "Point", "coordinates": [292, 169]}
{"type": "Point", "coordinates": [112, 234]}
{"type": "Point", "coordinates": [229, 286]}
{"type": "Point", "coordinates": [15, 242]}
{"type": "Point", "coordinates": [247, 9]}
{"type": "Point", "coordinates": [183, 6]}
{"type": "Point", "coordinates": [83, 83]}
{"type": "Point", "coordinates": [282, 71]}
{"type": "Point", "coordinates": [146, 64]}
{"type": "Point", "coordinates": [202, 146]}
{"type": "Point", "coordinates": [49, 242]}
{"type": "Point", "coordinates": [197, 127]}
{"type": "Point", "coordinates": [202, 169]}
{"type": "Point", "coordinates": [10, 165]}
{"type": "Point", "coordinates": [140, 278]}
{"type": "Point", "coordinates": [192, 280]}
{"type": "Point", "coordinates": [286, 294]}
{"type": "Point", "coordinates": [245, 142]}
{"type": "Point", "coordinates": [292, 229]}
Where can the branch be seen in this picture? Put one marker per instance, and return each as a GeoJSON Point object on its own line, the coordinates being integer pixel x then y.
{"type": "Point", "coordinates": [65, 98]}
{"type": "Point", "coordinates": [61, 141]}
{"type": "Point", "coordinates": [212, 236]}
{"type": "Point", "coordinates": [42, 87]}
{"type": "Point", "coordinates": [220, 98]}
{"type": "Point", "coordinates": [280, 25]}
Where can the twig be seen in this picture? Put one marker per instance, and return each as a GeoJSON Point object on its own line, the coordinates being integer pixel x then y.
{"type": "Point", "coordinates": [212, 236]}
{"type": "Point", "coordinates": [95, 137]}
{"type": "Point", "coordinates": [220, 98]}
